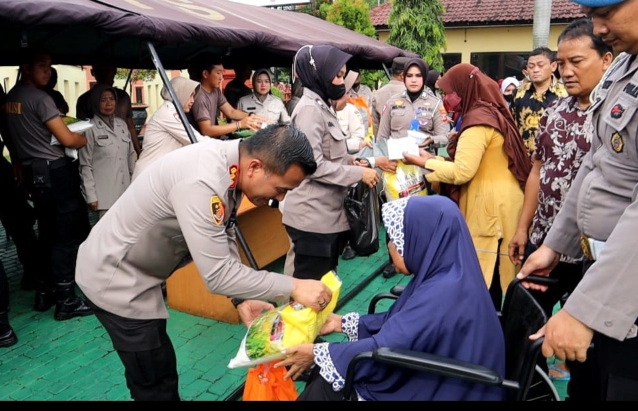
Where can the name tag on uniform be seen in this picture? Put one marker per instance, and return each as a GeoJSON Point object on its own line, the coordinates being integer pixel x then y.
{"type": "Point", "coordinates": [103, 137]}
{"type": "Point", "coordinates": [251, 108]}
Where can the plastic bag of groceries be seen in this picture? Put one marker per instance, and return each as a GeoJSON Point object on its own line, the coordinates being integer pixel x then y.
{"type": "Point", "coordinates": [408, 181]}
{"type": "Point", "coordinates": [273, 331]}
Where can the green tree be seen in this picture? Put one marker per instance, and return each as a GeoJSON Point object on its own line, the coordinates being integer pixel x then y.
{"type": "Point", "coordinates": [354, 15]}
{"type": "Point", "coordinates": [417, 26]}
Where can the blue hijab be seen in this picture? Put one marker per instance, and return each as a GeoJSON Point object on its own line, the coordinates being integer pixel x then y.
{"type": "Point", "coordinates": [445, 309]}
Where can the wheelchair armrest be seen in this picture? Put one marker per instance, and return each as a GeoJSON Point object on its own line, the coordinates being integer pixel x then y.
{"type": "Point", "coordinates": [437, 364]}
{"type": "Point", "coordinates": [397, 290]}
{"type": "Point", "coordinates": [381, 296]}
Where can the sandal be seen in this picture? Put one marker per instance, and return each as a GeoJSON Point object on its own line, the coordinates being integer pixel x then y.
{"type": "Point", "coordinates": [563, 375]}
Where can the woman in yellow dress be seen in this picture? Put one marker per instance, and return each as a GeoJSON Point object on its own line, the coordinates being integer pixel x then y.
{"type": "Point", "coordinates": [486, 171]}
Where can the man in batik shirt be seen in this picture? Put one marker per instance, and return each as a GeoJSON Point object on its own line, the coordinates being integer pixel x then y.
{"type": "Point", "coordinates": [534, 97]}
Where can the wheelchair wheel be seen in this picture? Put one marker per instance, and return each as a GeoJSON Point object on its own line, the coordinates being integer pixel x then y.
{"type": "Point", "coordinates": [542, 387]}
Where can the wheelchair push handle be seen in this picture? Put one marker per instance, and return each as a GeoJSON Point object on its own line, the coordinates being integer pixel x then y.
{"type": "Point", "coordinates": [540, 280]}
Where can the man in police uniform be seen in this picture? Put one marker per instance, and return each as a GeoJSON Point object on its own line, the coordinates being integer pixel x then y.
{"type": "Point", "coordinates": [381, 96]}
{"type": "Point", "coordinates": [181, 209]}
{"type": "Point", "coordinates": [599, 220]}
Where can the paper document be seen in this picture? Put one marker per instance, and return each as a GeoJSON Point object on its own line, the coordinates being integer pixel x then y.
{"type": "Point", "coordinates": [397, 146]}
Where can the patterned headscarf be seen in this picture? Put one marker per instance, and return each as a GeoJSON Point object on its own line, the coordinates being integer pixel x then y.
{"type": "Point", "coordinates": [392, 213]}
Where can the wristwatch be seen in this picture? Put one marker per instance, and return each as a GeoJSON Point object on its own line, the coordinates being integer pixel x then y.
{"type": "Point", "coordinates": [236, 301]}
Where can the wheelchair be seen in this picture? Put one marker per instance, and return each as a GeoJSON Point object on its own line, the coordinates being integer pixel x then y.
{"type": "Point", "coordinates": [520, 317]}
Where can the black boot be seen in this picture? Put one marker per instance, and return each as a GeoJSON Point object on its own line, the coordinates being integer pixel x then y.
{"type": "Point", "coordinates": [389, 271]}
{"type": "Point", "coordinates": [348, 253]}
{"type": "Point", "coordinates": [69, 305]}
{"type": "Point", "coordinates": [8, 337]}
{"type": "Point", "coordinates": [44, 300]}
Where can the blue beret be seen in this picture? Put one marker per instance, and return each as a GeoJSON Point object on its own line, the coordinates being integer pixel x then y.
{"type": "Point", "coordinates": [597, 3]}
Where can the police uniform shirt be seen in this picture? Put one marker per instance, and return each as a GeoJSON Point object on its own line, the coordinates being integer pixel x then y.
{"type": "Point", "coordinates": [272, 108]}
{"type": "Point", "coordinates": [399, 112]}
{"type": "Point", "coordinates": [316, 206]}
{"type": "Point", "coordinates": [601, 204]}
{"type": "Point", "coordinates": [177, 210]}
{"type": "Point", "coordinates": [28, 109]}
{"type": "Point", "coordinates": [380, 97]}
{"type": "Point", "coordinates": [106, 162]}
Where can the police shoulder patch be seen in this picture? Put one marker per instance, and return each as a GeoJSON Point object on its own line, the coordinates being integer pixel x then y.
{"type": "Point", "coordinates": [217, 210]}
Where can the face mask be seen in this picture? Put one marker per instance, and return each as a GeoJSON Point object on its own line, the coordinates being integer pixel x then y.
{"type": "Point", "coordinates": [336, 92]}
{"type": "Point", "coordinates": [453, 101]}
{"type": "Point", "coordinates": [356, 86]}
{"type": "Point", "coordinates": [528, 78]}
{"type": "Point", "coordinates": [509, 98]}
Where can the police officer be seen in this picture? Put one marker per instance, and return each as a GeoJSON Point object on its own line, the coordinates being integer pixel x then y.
{"type": "Point", "coordinates": [52, 180]}
{"type": "Point", "coordinates": [599, 219]}
{"type": "Point", "coordinates": [413, 105]}
{"type": "Point", "coordinates": [313, 214]}
{"type": "Point", "coordinates": [261, 101]}
{"type": "Point", "coordinates": [182, 208]}
{"type": "Point", "coordinates": [383, 94]}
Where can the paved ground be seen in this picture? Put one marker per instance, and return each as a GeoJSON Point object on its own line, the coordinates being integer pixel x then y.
{"type": "Point", "coordinates": [74, 360]}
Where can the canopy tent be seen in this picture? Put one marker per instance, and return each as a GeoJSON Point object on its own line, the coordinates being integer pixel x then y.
{"type": "Point", "coordinates": [77, 31]}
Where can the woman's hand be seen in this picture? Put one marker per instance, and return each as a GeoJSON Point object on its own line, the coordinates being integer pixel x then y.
{"type": "Point", "coordinates": [92, 206]}
{"type": "Point", "coordinates": [299, 359]}
{"type": "Point", "coordinates": [419, 160]}
{"type": "Point", "coordinates": [385, 164]}
{"type": "Point", "coordinates": [364, 143]}
{"type": "Point", "coordinates": [370, 177]}
{"type": "Point", "coordinates": [250, 309]}
{"type": "Point", "coordinates": [332, 325]}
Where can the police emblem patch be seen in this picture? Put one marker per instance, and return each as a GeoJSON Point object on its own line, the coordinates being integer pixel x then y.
{"type": "Point", "coordinates": [617, 111]}
{"type": "Point", "coordinates": [217, 210]}
{"type": "Point", "coordinates": [617, 144]}
{"type": "Point", "coordinates": [234, 173]}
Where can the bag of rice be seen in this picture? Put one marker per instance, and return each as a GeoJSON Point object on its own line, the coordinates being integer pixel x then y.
{"type": "Point", "coordinates": [273, 331]}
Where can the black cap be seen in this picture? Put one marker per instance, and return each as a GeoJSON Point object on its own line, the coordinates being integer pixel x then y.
{"type": "Point", "coordinates": [398, 63]}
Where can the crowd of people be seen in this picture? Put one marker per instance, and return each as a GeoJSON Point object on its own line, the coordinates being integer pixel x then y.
{"type": "Point", "coordinates": [539, 177]}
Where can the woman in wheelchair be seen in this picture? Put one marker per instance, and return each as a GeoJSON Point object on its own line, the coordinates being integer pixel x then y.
{"type": "Point", "coordinates": [445, 309]}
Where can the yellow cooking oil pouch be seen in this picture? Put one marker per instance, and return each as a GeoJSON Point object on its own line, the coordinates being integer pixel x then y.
{"type": "Point", "coordinates": [273, 331]}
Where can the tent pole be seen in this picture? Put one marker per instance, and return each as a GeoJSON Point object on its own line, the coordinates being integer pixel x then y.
{"type": "Point", "coordinates": [130, 73]}
{"type": "Point", "coordinates": [387, 72]}
{"type": "Point", "coordinates": [171, 92]}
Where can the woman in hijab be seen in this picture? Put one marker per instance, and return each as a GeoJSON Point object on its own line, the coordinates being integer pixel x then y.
{"type": "Point", "coordinates": [261, 102]}
{"type": "Point", "coordinates": [487, 172]}
{"type": "Point", "coordinates": [431, 81]}
{"type": "Point", "coordinates": [108, 159]}
{"type": "Point", "coordinates": [414, 109]}
{"type": "Point", "coordinates": [508, 89]}
{"type": "Point", "coordinates": [443, 310]}
{"type": "Point", "coordinates": [164, 131]}
{"type": "Point", "coordinates": [313, 213]}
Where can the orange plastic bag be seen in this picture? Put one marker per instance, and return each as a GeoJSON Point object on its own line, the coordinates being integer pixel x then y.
{"type": "Point", "coordinates": [266, 383]}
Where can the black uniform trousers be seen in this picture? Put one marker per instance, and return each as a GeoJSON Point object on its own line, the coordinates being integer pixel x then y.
{"type": "Point", "coordinates": [147, 353]}
{"type": "Point", "coordinates": [610, 372]}
{"type": "Point", "coordinates": [18, 217]}
{"type": "Point", "coordinates": [4, 290]}
{"type": "Point", "coordinates": [57, 210]}
{"type": "Point", "coordinates": [316, 253]}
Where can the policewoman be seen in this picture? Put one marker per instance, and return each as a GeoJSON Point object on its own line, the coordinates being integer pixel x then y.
{"type": "Point", "coordinates": [261, 102]}
{"type": "Point", "coordinates": [313, 213]}
{"type": "Point", "coordinates": [414, 103]}
{"type": "Point", "coordinates": [108, 159]}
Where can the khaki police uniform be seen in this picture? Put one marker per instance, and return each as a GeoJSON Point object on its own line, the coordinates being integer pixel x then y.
{"type": "Point", "coordinates": [600, 218]}
{"type": "Point", "coordinates": [176, 211]}
{"type": "Point", "coordinates": [399, 112]}
{"type": "Point", "coordinates": [106, 162]}
{"type": "Point", "coordinates": [380, 97]}
{"type": "Point", "coordinates": [314, 210]}
{"type": "Point", "coordinates": [271, 108]}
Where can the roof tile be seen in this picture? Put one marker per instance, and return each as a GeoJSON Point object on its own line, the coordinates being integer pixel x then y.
{"type": "Point", "coordinates": [481, 11]}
